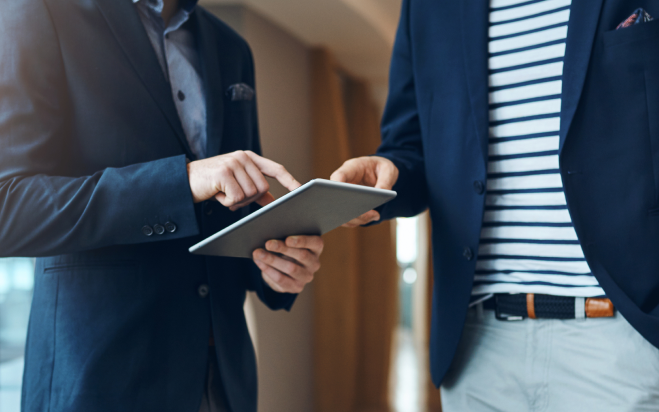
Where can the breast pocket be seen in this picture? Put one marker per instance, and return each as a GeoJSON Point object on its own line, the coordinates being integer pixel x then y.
{"type": "Point", "coordinates": [630, 68]}
{"type": "Point", "coordinates": [641, 38]}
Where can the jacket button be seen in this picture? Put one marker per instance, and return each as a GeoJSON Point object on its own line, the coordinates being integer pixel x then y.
{"type": "Point", "coordinates": [147, 231]}
{"type": "Point", "coordinates": [158, 229]}
{"type": "Point", "coordinates": [479, 187]}
{"type": "Point", "coordinates": [170, 227]}
{"type": "Point", "coordinates": [468, 254]}
{"type": "Point", "coordinates": [208, 209]}
{"type": "Point", "coordinates": [203, 290]}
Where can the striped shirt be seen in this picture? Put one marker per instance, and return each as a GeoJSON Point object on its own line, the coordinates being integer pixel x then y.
{"type": "Point", "coordinates": [528, 242]}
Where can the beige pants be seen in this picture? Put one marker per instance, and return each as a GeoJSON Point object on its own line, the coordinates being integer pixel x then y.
{"type": "Point", "coordinates": [213, 399]}
{"type": "Point", "coordinates": [547, 365]}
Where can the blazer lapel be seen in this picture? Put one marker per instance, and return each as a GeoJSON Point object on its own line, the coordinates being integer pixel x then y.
{"type": "Point", "coordinates": [582, 26]}
{"type": "Point", "coordinates": [211, 67]}
{"type": "Point", "coordinates": [474, 26]}
{"type": "Point", "coordinates": [127, 27]}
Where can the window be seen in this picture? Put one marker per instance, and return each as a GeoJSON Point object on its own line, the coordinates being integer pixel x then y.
{"type": "Point", "coordinates": [407, 394]}
{"type": "Point", "coordinates": [16, 286]}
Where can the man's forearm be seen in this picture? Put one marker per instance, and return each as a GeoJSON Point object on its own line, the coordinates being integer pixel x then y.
{"type": "Point", "coordinates": [48, 215]}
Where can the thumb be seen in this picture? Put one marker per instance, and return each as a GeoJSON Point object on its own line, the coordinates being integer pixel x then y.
{"type": "Point", "coordinates": [387, 175]}
{"type": "Point", "coordinates": [352, 171]}
{"type": "Point", "coordinates": [339, 176]}
{"type": "Point", "coordinates": [265, 199]}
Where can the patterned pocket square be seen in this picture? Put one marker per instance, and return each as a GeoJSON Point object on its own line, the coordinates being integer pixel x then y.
{"type": "Point", "coordinates": [639, 16]}
{"type": "Point", "coordinates": [240, 92]}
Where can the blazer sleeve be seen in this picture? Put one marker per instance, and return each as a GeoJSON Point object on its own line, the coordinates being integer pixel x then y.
{"type": "Point", "coordinates": [46, 213]}
{"type": "Point", "coordinates": [401, 130]}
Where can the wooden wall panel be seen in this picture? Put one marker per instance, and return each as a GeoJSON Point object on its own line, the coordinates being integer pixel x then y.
{"type": "Point", "coordinates": [356, 289]}
{"type": "Point", "coordinates": [378, 270]}
{"type": "Point", "coordinates": [335, 291]}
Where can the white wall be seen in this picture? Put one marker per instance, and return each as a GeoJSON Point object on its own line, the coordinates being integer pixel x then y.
{"type": "Point", "coordinates": [284, 340]}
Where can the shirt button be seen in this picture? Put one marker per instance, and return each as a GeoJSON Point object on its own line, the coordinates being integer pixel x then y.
{"type": "Point", "coordinates": [468, 254]}
{"type": "Point", "coordinates": [181, 95]}
{"type": "Point", "coordinates": [203, 290]}
{"type": "Point", "coordinates": [170, 227]}
{"type": "Point", "coordinates": [159, 229]}
{"type": "Point", "coordinates": [147, 231]}
{"type": "Point", "coordinates": [479, 187]}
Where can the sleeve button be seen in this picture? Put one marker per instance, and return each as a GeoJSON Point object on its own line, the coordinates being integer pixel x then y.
{"type": "Point", "coordinates": [147, 231]}
{"type": "Point", "coordinates": [158, 229]}
{"type": "Point", "coordinates": [468, 254]}
{"type": "Point", "coordinates": [170, 227]}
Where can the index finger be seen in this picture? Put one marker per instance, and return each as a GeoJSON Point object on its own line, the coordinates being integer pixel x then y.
{"type": "Point", "coordinates": [273, 169]}
{"type": "Point", "coordinates": [313, 243]}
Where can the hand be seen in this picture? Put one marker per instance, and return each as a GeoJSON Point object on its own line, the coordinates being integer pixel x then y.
{"type": "Point", "coordinates": [373, 171]}
{"type": "Point", "coordinates": [287, 266]}
{"type": "Point", "coordinates": [236, 179]}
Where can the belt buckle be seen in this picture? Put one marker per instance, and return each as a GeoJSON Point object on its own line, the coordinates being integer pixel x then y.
{"type": "Point", "coordinates": [500, 316]}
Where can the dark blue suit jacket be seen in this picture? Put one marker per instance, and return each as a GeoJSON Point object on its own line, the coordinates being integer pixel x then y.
{"type": "Point", "coordinates": [92, 150]}
{"type": "Point", "coordinates": [435, 130]}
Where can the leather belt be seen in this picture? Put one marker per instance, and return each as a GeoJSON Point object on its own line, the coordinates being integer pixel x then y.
{"type": "Point", "coordinates": [528, 305]}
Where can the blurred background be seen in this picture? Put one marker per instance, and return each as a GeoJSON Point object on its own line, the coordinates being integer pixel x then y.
{"type": "Point", "coordinates": [357, 338]}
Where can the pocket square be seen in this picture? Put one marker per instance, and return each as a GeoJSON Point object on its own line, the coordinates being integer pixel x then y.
{"type": "Point", "coordinates": [639, 16]}
{"type": "Point", "coordinates": [240, 92]}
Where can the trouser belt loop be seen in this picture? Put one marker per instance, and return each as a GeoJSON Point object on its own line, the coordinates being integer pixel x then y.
{"type": "Point", "coordinates": [580, 308]}
{"type": "Point", "coordinates": [479, 310]}
{"type": "Point", "coordinates": [530, 305]}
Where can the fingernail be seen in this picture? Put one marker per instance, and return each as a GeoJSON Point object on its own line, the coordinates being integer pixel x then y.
{"type": "Point", "coordinates": [294, 240]}
{"type": "Point", "coordinates": [260, 254]}
{"type": "Point", "coordinates": [272, 245]}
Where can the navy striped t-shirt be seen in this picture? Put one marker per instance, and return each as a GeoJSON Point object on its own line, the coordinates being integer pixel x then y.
{"type": "Point", "coordinates": [528, 243]}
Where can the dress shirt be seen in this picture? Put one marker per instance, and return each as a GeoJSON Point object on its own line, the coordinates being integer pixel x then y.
{"type": "Point", "coordinates": [178, 57]}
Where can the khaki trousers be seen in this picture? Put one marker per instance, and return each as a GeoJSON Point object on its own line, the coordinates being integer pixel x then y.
{"type": "Point", "coordinates": [547, 365]}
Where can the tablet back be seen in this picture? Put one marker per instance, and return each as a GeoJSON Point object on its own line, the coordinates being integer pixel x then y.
{"type": "Point", "coordinates": [314, 209]}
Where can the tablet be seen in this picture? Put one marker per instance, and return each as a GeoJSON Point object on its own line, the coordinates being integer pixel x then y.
{"type": "Point", "coordinates": [312, 209]}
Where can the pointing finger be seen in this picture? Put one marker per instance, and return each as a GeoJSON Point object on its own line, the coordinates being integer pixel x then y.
{"type": "Point", "coordinates": [273, 169]}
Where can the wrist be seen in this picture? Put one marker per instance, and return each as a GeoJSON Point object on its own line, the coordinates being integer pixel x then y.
{"type": "Point", "coordinates": [190, 168]}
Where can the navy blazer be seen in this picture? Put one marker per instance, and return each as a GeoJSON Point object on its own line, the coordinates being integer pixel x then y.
{"type": "Point", "coordinates": [435, 130]}
{"type": "Point", "coordinates": [91, 151]}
